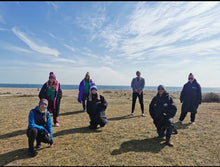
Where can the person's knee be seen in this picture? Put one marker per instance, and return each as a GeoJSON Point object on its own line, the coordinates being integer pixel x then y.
{"type": "Point", "coordinates": [32, 132]}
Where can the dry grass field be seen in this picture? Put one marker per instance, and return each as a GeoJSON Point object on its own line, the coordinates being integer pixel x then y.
{"type": "Point", "coordinates": [126, 140]}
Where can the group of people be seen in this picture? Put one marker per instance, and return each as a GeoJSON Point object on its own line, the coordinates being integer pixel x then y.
{"type": "Point", "coordinates": [162, 108]}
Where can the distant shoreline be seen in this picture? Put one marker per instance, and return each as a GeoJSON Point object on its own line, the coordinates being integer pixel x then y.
{"type": "Point", "coordinates": [103, 87]}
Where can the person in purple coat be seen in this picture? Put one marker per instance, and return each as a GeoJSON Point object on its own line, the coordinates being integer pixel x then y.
{"type": "Point", "coordinates": [84, 90]}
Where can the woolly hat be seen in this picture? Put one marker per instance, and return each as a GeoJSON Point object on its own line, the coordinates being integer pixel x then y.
{"type": "Point", "coordinates": [191, 75]}
{"type": "Point", "coordinates": [43, 101]}
{"type": "Point", "coordinates": [52, 75]}
{"type": "Point", "coordinates": [138, 72]}
{"type": "Point", "coordinates": [93, 87]}
{"type": "Point", "coordinates": [87, 74]}
{"type": "Point", "coordinates": [160, 87]}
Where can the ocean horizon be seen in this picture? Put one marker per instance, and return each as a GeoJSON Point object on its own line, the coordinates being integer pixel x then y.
{"type": "Point", "coordinates": [108, 87]}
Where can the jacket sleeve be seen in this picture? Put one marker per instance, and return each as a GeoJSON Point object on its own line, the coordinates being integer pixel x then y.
{"type": "Point", "coordinates": [199, 94]}
{"type": "Point", "coordinates": [103, 102]}
{"type": "Point", "coordinates": [60, 92]}
{"type": "Point", "coordinates": [172, 108]}
{"type": "Point", "coordinates": [132, 84]}
{"type": "Point", "coordinates": [49, 125]}
{"type": "Point", "coordinates": [80, 95]}
{"type": "Point", "coordinates": [143, 84]}
{"type": "Point", "coordinates": [43, 92]}
{"type": "Point", "coordinates": [182, 94]}
{"type": "Point", "coordinates": [151, 109]}
{"type": "Point", "coordinates": [31, 122]}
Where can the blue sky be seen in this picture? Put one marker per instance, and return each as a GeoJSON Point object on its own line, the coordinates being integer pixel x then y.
{"type": "Point", "coordinates": [111, 40]}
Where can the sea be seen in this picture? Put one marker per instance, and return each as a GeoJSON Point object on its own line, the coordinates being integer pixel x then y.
{"type": "Point", "coordinates": [107, 87]}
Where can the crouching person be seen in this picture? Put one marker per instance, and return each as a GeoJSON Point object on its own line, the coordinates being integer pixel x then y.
{"type": "Point", "coordinates": [39, 127]}
{"type": "Point", "coordinates": [96, 106]}
{"type": "Point", "coordinates": [162, 110]}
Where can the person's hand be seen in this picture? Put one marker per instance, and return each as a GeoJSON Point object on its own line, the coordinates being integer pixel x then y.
{"type": "Point", "coordinates": [51, 145]}
{"type": "Point", "coordinates": [48, 134]}
{"type": "Point", "coordinates": [140, 91]}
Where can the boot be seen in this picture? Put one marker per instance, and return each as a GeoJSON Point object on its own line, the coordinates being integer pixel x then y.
{"type": "Point", "coordinates": [31, 152]}
{"type": "Point", "coordinates": [175, 131]}
{"type": "Point", "coordinates": [169, 142]}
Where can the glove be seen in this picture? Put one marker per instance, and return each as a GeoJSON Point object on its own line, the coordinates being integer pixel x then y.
{"type": "Point", "coordinates": [46, 131]}
{"type": "Point", "coordinates": [51, 142]}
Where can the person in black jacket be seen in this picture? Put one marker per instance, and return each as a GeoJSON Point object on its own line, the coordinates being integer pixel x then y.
{"type": "Point", "coordinates": [162, 110]}
{"type": "Point", "coordinates": [191, 97]}
{"type": "Point", "coordinates": [96, 106]}
{"type": "Point", "coordinates": [52, 92]}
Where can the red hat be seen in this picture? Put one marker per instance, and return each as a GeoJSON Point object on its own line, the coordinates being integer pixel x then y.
{"type": "Point", "coordinates": [43, 101]}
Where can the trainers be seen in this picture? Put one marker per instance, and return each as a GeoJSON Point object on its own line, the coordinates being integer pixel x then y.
{"type": "Point", "coordinates": [175, 131]}
{"type": "Point", "coordinates": [38, 146]}
{"type": "Point", "coordinates": [179, 121]}
{"type": "Point", "coordinates": [57, 124]}
{"type": "Point", "coordinates": [192, 123]}
{"type": "Point", "coordinates": [131, 114]}
{"type": "Point", "coordinates": [143, 115]}
{"type": "Point", "coordinates": [169, 142]}
{"type": "Point", "coordinates": [32, 153]}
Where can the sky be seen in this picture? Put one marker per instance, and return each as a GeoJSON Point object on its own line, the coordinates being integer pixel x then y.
{"type": "Point", "coordinates": [164, 40]}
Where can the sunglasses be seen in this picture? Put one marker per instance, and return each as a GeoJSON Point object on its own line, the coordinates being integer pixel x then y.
{"type": "Point", "coordinates": [190, 78]}
{"type": "Point", "coordinates": [160, 89]}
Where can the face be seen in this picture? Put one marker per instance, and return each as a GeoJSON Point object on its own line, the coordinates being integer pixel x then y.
{"type": "Point", "coordinates": [87, 77]}
{"type": "Point", "coordinates": [191, 79]}
{"type": "Point", "coordinates": [94, 91]}
{"type": "Point", "coordinates": [43, 107]}
{"type": "Point", "coordinates": [138, 74]}
{"type": "Point", "coordinates": [52, 79]}
{"type": "Point", "coordinates": [161, 91]}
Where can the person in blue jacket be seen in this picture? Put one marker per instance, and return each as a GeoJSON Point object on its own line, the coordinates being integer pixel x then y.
{"type": "Point", "coordinates": [162, 110]}
{"type": "Point", "coordinates": [39, 127]}
{"type": "Point", "coordinates": [191, 97]}
{"type": "Point", "coordinates": [84, 90]}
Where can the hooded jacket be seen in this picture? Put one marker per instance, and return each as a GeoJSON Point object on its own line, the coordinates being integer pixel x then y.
{"type": "Point", "coordinates": [81, 89]}
{"type": "Point", "coordinates": [162, 107]}
{"type": "Point", "coordinates": [37, 119]}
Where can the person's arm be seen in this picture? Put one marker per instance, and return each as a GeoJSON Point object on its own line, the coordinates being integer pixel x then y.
{"type": "Point", "coordinates": [42, 91]}
{"type": "Point", "coordinates": [31, 122]}
{"type": "Point", "coordinates": [103, 102]}
{"type": "Point", "coordinates": [199, 94]}
{"type": "Point", "coordinates": [133, 85]}
{"type": "Point", "coordinates": [80, 95]}
{"type": "Point", "coordinates": [172, 108]}
{"type": "Point", "coordinates": [151, 109]}
{"type": "Point", "coordinates": [182, 94]}
{"type": "Point", "coordinates": [60, 93]}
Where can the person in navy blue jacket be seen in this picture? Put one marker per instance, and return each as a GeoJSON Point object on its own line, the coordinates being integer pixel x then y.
{"type": "Point", "coordinates": [191, 97]}
{"type": "Point", "coordinates": [162, 110]}
{"type": "Point", "coordinates": [39, 127]}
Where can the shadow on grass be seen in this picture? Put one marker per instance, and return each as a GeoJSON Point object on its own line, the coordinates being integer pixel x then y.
{"type": "Point", "coordinates": [76, 130]}
{"type": "Point", "coordinates": [181, 126]}
{"type": "Point", "coordinates": [13, 134]}
{"type": "Point", "coordinates": [71, 113]}
{"type": "Point", "coordinates": [123, 117]}
{"type": "Point", "coordinates": [147, 145]}
{"type": "Point", "coordinates": [13, 155]}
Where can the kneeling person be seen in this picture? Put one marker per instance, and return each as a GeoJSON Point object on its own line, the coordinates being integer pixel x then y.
{"type": "Point", "coordinates": [39, 127]}
{"type": "Point", "coordinates": [96, 106]}
{"type": "Point", "coordinates": [162, 110]}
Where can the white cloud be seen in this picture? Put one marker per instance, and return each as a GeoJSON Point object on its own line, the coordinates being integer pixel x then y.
{"type": "Point", "coordinates": [63, 60]}
{"type": "Point", "coordinates": [70, 47]}
{"type": "Point", "coordinates": [33, 45]}
{"type": "Point", "coordinates": [15, 48]}
{"type": "Point", "coordinates": [53, 5]}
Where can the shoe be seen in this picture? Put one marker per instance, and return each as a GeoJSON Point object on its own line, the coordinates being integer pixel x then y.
{"type": "Point", "coordinates": [179, 121]}
{"type": "Point", "coordinates": [57, 124]}
{"type": "Point", "coordinates": [192, 123]}
{"type": "Point", "coordinates": [84, 110]}
{"type": "Point", "coordinates": [38, 146]}
{"type": "Point", "coordinates": [175, 131]}
{"type": "Point", "coordinates": [32, 153]}
{"type": "Point", "coordinates": [143, 115]}
{"type": "Point", "coordinates": [169, 142]}
{"type": "Point", "coordinates": [131, 114]}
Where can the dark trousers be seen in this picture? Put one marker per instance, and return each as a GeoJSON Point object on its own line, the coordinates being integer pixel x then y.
{"type": "Point", "coordinates": [183, 115]}
{"type": "Point", "coordinates": [164, 127]}
{"type": "Point", "coordinates": [140, 97]}
{"type": "Point", "coordinates": [85, 97]}
{"type": "Point", "coordinates": [34, 134]}
{"type": "Point", "coordinates": [52, 110]}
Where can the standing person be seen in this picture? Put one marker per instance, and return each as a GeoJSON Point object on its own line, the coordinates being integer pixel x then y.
{"type": "Point", "coordinates": [96, 106]}
{"type": "Point", "coordinates": [84, 90]}
{"type": "Point", "coordinates": [52, 92]}
{"type": "Point", "coordinates": [137, 86]}
{"type": "Point", "coordinates": [191, 97]}
{"type": "Point", "coordinates": [39, 127]}
{"type": "Point", "coordinates": [162, 110]}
